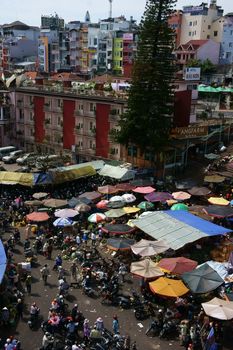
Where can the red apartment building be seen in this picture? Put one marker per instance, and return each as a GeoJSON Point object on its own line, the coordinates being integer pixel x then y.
{"type": "Point", "coordinates": [175, 22]}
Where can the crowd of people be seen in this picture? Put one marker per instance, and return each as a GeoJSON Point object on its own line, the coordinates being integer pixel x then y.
{"type": "Point", "coordinates": [76, 256]}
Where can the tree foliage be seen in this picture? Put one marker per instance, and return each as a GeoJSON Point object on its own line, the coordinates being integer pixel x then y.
{"type": "Point", "coordinates": [147, 121]}
{"type": "Point", "coordinates": [207, 67]}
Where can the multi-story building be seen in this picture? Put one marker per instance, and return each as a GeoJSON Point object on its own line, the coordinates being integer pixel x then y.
{"type": "Point", "coordinates": [117, 62]}
{"type": "Point", "coordinates": [52, 121]}
{"type": "Point", "coordinates": [18, 42]}
{"type": "Point", "coordinates": [226, 34]}
{"type": "Point", "coordinates": [53, 47]}
{"type": "Point", "coordinates": [197, 21]}
{"type": "Point", "coordinates": [197, 49]}
{"type": "Point", "coordinates": [129, 50]}
{"type": "Point", "coordinates": [175, 22]}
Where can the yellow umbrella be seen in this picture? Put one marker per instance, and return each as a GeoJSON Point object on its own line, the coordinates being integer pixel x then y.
{"type": "Point", "coordinates": [170, 202]}
{"type": "Point", "coordinates": [218, 201]}
{"type": "Point", "coordinates": [214, 178]}
{"type": "Point", "coordinates": [131, 210]}
{"type": "Point", "coordinates": [168, 287]}
{"type": "Point", "coordinates": [130, 223]}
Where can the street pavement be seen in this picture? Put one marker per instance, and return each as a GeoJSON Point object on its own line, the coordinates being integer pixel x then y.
{"type": "Point", "coordinates": [91, 308]}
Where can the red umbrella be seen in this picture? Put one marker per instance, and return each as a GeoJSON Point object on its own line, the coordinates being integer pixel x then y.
{"type": "Point", "coordinates": [125, 187]}
{"type": "Point", "coordinates": [102, 204]}
{"type": "Point", "coordinates": [37, 216]}
{"type": "Point", "coordinates": [177, 265]}
{"type": "Point", "coordinates": [144, 190]}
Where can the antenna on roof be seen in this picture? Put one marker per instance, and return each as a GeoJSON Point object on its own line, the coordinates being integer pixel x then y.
{"type": "Point", "coordinates": [110, 10]}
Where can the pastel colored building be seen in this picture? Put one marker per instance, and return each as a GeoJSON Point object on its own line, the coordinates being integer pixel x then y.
{"type": "Point", "coordinates": [197, 21]}
{"type": "Point", "coordinates": [226, 50]}
{"type": "Point", "coordinates": [197, 49]}
{"type": "Point", "coordinates": [175, 22]}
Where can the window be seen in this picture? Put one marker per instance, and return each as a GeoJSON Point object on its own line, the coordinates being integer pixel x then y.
{"type": "Point", "coordinates": [59, 103]}
{"type": "Point", "coordinates": [92, 107]}
{"type": "Point", "coordinates": [91, 125]}
{"type": "Point", "coordinates": [190, 24]}
{"type": "Point", "coordinates": [230, 44]}
{"type": "Point", "coordinates": [215, 33]}
{"type": "Point", "coordinates": [31, 116]}
{"type": "Point", "coordinates": [21, 114]}
{"type": "Point", "coordinates": [132, 151]}
{"type": "Point", "coordinates": [231, 32]}
{"type": "Point", "coordinates": [95, 41]}
{"type": "Point", "coordinates": [80, 107]}
{"type": "Point", "coordinates": [208, 37]}
{"type": "Point", "coordinates": [209, 26]}
{"type": "Point", "coordinates": [31, 132]}
{"type": "Point", "coordinates": [190, 33]}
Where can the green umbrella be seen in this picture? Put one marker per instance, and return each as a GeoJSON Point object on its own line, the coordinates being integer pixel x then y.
{"type": "Point", "coordinates": [146, 205]}
{"type": "Point", "coordinates": [180, 206]}
{"type": "Point", "coordinates": [115, 213]}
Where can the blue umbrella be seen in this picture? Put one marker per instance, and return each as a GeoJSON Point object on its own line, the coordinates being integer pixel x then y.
{"type": "Point", "coordinates": [3, 261]}
{"type": "Point", "coordinates": [62, 222]}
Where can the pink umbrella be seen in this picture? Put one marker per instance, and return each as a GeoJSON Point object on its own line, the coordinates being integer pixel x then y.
{"type": "Point", "coordinates": [181, 196]}
{"type": "Point", "coordinates": [37, 216]}
{"type": "Point", "coordinates": [102, 204]}
{"type": "Point", "coordinates": [144, 190]}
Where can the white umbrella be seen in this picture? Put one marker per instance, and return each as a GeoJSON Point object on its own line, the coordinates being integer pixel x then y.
{"type": "Point", "coordinates": [116, 199]}
{"type": "Point", "coordinates": [218, 308]}
{"type": "Point", "coordinates": [148, 248]}
{"type": "Point", "coordinates": [128, 198]}
{"type": "Point", "coordinates": [96, 218]}
{"type": "Point", "coordinates": [66, 213]}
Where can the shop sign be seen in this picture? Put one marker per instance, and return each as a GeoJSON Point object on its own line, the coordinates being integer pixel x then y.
{"type": "Point", "coordinates": [128, 36]}
{"type": "Point", "coordinates": [192, 73]}
{"type": "Point", "coordinates": [189, 132]}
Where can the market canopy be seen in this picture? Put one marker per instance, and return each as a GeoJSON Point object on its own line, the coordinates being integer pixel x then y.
{"type": "Point", "coordinates": [3, 261]}
{"type": "Point", "coordinates": [199, 191]}
{"type": "Point", "coordinates": [146, 268]}
{"type": "Point", "coordinates": [117, 172]}
{"type": "Point", "coordinates": [65, 174]}
{"type": "Point", "coordinates": [37, 216]}
{"type": "Point", "coordinates": [177, 228]}
{"type": "Point", "coordinates": [149, 248]}
{"type": "Point", "coordinates": [15, 178]}
{"type": "Point", "coordinates": [219, 211]}
{"type": "Point", "coordinates": [158, 197]}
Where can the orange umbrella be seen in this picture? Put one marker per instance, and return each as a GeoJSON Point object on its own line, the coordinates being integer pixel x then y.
{"type": "Point", "coordinates": [168, 287]}
{"type": "Point", "coordinates": [37, 216]}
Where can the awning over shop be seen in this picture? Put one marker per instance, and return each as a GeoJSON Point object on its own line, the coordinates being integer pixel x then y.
{"type": "Point", "coordinates": [177, 228]}
{"type": "Point", "coordinates": [62, 175]}
{"type": "Point", "coordinates": [14, 178]}
{"type": "Point", "coordinates": [96, 164]}
{"type": "Point", "coordinates": [42, 179]}
{"type": "Point", "coordinates": [116, 172]}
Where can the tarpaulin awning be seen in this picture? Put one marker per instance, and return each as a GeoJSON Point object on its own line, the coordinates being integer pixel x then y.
{"type": "Point", "coordinates": [42, 179]}
{"type": "Point", "coordinates": [14, 178]}
{"type": "Point", "coordinates": [3, 261]}
{"type": "Point", "coordinates": [120, 244]}
{"type": "Point", "coordinates": [199, 191]}
{"type": "Point", "coordinates": [117, 172]}
{"type": "Point", "coordinates": [93, 195]}
{"type": "Point", "coordinates": [61, 175]}
{"type": "Point", "coordinates": [177, 228]}
{"type": "Point", "coordinates": [219, 211]}
{"type": "Point", "coordinates": [118, 229]}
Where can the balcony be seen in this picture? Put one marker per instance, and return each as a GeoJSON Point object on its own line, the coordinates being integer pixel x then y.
{"type": "Point", "coordinates": [47, 107]}
{"type": "Point", "coordinates": [57, 109]}
{"type": "Point", "coordinates": [29, 105]}
{"type": "Point", "coordinates": [78, 112]}
{"type": "Point", "coordinates": [19, 104]}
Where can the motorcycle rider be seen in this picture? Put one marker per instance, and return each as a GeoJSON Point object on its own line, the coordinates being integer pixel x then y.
{"type": "Point", "coordinates": [47, 340]}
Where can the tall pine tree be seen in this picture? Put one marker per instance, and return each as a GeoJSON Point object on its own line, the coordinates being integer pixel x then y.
{"type": "Point", "coordinates": [150, 105]}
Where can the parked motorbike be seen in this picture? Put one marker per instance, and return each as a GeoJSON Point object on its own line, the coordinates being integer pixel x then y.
{"type": "Point", "coordinates": [169, 329]}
